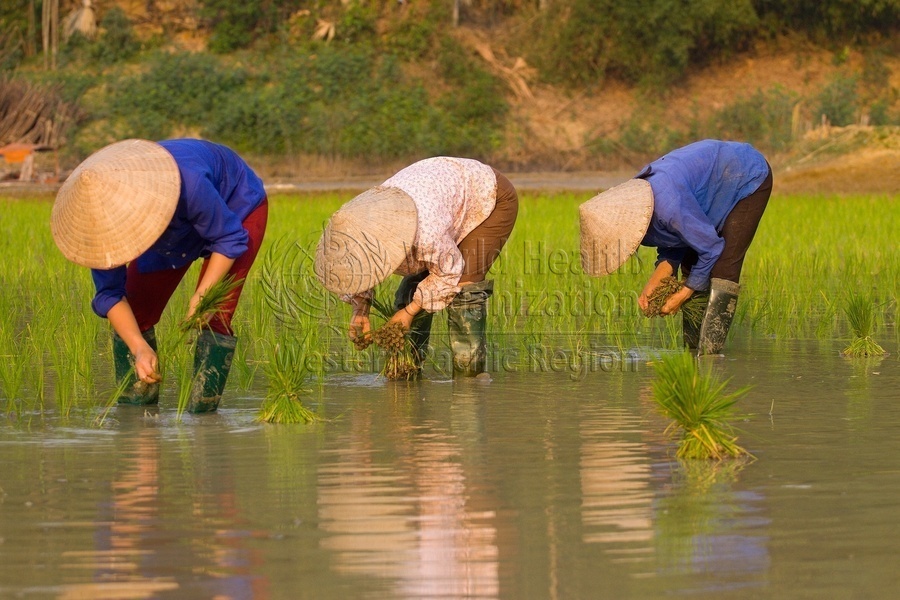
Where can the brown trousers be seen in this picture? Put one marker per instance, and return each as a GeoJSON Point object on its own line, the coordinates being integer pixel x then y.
{"type": "Point", "coordinates": [738, 231]}
{"type": "Point", "coordinates": [482, 246]}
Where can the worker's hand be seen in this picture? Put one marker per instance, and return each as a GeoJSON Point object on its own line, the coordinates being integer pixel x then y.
{"type": "Point", "coordinates": [404, 317]}
{"type": "Point", "coordinates": [146, 366]}
{"type": "Point", "coordinates": [663, 270]}
{"type": "Point", "coordinates": [360, 327]}
{"type": "Point", "coordinates": [192, 306]}
{"type": "Point", "coordinates": [676, 300]}
{"type": "Point", "coordinates": [194, 320]}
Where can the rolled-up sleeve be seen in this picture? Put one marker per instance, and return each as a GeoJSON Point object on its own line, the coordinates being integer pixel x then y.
{"type": "Point", "coordinates": [214, 221]}
{"type": "Point", "coordinates": [673, 256]}
{"type": "Point", "coordinates": [695, 229]}
{"type": "Point", "coordinates": [110, 286]}
{"type": "Point", "coordinates": [445, 267]}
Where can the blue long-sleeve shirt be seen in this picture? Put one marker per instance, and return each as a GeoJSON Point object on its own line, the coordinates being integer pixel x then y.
{"type": "Point", "coordinates": [218, 191]}
{"type": "Point", "coordinates": [694, 190]}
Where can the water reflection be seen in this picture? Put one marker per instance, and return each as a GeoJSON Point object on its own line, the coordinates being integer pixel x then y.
{"type": "Point", "coordinates": [704, 526]}
{"type": "Point", "coordinates": [672, 517]}
{"type": "Point", "coordinates": [141, 551]}
{"type": "Point", "coordinates": [405, 514]}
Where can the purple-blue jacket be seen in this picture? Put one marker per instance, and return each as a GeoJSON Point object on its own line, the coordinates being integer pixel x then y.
{"type": "Point", "coordinates": [218, 191]}
{"type": "Point", "coordinates": [694, 190]}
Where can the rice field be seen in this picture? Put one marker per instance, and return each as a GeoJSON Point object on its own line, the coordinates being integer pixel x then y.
{"type": "Point", "coordinates": [810, 254]}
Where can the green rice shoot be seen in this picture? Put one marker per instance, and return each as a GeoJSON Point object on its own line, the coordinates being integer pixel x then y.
{"type": "Point", "coordinates": [211, 303]}
{"type": "Point", "coordinates": [286, 375]}
{"type": "Point", "coordinates": [661, 294]}
{"type": "Point", "coordinates": [860, 311]}
{"type": "Point", "coordinates": [698, 407]}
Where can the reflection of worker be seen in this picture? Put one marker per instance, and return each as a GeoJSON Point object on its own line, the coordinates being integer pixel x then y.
{"type": "Point", "coordinates": [700, 206]}
{"type": "Point", "coordinates": [158, 207]}
{"type": "Point", "coordinates": [441, 223]}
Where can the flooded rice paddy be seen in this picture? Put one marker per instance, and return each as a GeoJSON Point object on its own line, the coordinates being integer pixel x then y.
{"type": "Point", "coordinates": [549, 484]}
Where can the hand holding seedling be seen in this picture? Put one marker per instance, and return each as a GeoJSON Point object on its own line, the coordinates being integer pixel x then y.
{"type": "Point", "coordinates": [663, 270]}
{"type": "Point", "coordinates": [676, 300]}
{"type": "Point", "coordinates": [405, 315]}
{"type": "Point", "coordinates": [360, 327]}
{"type": "Point", "coordinates": [146, 365]}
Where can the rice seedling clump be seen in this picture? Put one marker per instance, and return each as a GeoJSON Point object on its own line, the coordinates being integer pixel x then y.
{"type": "Point", "coordinates": [363, 342]}
{"type": "Point", "coordinates": [698, 407]}
{"type": "Point", "coordinates": [658, 298]}
{"type": "Point", "coordinates": [860, 312]}
{"type": "Point", "coordinates": [211, 303]}
{"type": "Point", "coordinates": [400, 363]}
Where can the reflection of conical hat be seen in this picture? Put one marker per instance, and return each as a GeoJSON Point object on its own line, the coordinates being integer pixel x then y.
{"type": "Point", "coordinates": [366, 240]}
{"type": "Point", "coordinates": [116, 204]}
{"type": "Point", "coordinates": [613, 223]}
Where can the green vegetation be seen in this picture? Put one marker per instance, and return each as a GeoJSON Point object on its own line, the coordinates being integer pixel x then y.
{"type": "Point", "coordinates": [698, 407]}
{"type": "Point", "coordinates": [860, 312]}
{"type": "Point", "coordinates": [544, 315]}
{"type": "Point", "coordinates": [285, 276]}
{"type": "Point", "coordinates": [375, 82]}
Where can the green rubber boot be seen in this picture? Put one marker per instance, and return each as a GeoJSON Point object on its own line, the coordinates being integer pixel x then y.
{"type": "Point", "coordinates": [692, 312]}
{"type": "Point", "coordinates": [212, 362]}
{"type": "Point", "coordinates": [723, 295]}
{"type": "Point", "coordinates": [467, 322]}
{"type": "Point", "coordinates": [420, 330]}
{"type": "Point", "coordinates": [135, 392]}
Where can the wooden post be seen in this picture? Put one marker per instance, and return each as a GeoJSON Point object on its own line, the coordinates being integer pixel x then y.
{"type": "Point", "coordinates": [456, 13]}
{"type": "Point", "coordinates": [50, 32]}
{"type": "Point", "coordinates": [30, 48]}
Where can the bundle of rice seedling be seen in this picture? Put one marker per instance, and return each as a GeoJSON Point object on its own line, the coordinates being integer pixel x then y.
{"type": "Point", "coordinates": [211, 303]}
{"type": "Point", "coordinates": [361, 343]}
{"type": "Point", "coordinates": [860, 311]}
{"type": "Point", "coordinates": [658, 298]}
{"type": "Point", "coordinates": [399, 363]}
{"type": "Point", "coordinates": [698, 407]}
{"type": "Point", "coordinates": [286, 374]}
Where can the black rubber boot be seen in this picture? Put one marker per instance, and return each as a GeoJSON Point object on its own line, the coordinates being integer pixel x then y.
{"type": "Point", "coordinates": [723, 295]}
{"type": "Point", "coordinates": [420, 330]}
{"type": "Point", "coordinates": [467, 322]}
{"type": "Point", "coordinates": [692, 312]}
{"type": "Point", "coordinates": [135, 392]}
{"type": "Point", "coordinates": [212, 362]}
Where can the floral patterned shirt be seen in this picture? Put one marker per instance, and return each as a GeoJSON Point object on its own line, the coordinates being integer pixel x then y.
{"type": "Point", "coordinates": [453, 196]}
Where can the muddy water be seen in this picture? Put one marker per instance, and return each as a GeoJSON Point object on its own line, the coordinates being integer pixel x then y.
{"type": "Point", "coordinates": [535, 485]}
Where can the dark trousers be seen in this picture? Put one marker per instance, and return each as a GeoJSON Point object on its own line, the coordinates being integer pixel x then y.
{"type": "Point", "coordinates": [148, 293]}
{"type": "Point", "coordinates": [482, 246]}
{"type": "Point", "coordinates": [738, 231]}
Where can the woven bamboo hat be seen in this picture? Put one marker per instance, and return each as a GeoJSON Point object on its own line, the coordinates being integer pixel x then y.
{"type": "Point", "coordinates": [613, 223]}
{"type": "Point", "coordinates": [366, 240]}
{"type": "Point", "coordinates": [116, 204]}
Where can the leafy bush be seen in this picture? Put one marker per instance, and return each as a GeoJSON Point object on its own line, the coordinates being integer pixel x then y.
{"type": "Point", "coordinates": [357, 23]}
{"type": "Point", "coordinates": [117, 41]}
{"type": "Point", "coordinates": [340, 101]}
{"type": "Point", "coordinates": [177, 89]}
{"type": "Point", "coordinates": [580, 42]}
{"type": "Point", "coordinates": [762, 119]}
{"type": "Point", "coordinates": [233, 24]}
{"type": "Point", "coordinates": [838, 100]}
{"type": "Point", "coordinates": [831, 21]}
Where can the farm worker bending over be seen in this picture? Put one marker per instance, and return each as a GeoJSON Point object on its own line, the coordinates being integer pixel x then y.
{"type": "Point", "coordinates": [138, 213]}
{"type": "Point", "coordinates": [441, 223]}
{"type": "Point", "coordinates": [700, 206]}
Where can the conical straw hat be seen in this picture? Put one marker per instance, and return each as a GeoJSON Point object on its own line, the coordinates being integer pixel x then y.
{"type": "Point", "coordinates": [116, 204]}
{"type": "Point", "coordinates": [366, 240]}
{"type": "Point", "coordinates": [613, 223]}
